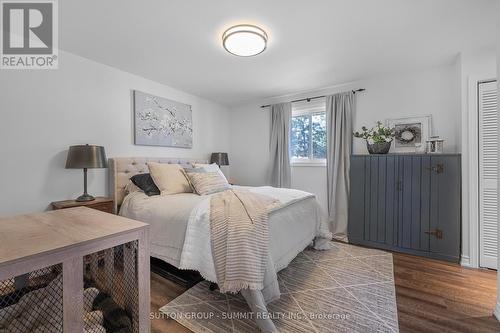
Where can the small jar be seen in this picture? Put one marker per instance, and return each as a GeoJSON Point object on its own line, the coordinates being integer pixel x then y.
{"type": "Point", "coordinates": [434, 145]}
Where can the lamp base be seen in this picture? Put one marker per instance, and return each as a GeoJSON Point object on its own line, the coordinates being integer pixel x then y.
{"type": "Point", "coordinates": [85, 197]}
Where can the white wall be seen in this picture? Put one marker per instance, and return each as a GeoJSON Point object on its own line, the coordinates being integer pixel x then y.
{"type": "Point", "coordinates": [44, 112]}
{"type": "Point", "coordinates": [433, 91]}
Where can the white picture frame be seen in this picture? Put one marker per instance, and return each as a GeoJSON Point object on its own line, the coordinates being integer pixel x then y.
{"type": "Point", "coordinates": [162, 122]}
{"type": "Point", "coordinates": [411, 133]}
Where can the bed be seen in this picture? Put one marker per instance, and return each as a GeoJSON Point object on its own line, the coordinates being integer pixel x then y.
{"type": "Point", "coordinates": [177, 236]}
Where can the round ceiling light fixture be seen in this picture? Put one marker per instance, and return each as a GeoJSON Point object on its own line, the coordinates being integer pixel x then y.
{"type": "Point", "coordinates": [244, 40]}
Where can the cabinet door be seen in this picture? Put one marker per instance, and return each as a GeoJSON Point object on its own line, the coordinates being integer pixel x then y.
{"type": "Point", "coordinates": [373, 195]}
{"type": "Point", "coordinates": [445, 207]}
{"type": "Point", "coordinates": [392, 186]}
{"type": "Point", "coordinates": [383, 199]}
{"type": "Point", "coordinates": [373, 201]}
{"type": "Point", "coordinates": [413, 203]}
{"type": "Point", "coordinates": [356, 223]}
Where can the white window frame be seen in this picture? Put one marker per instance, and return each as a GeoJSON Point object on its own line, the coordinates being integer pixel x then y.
{"type": "Point", "coordinates": [301, 109]}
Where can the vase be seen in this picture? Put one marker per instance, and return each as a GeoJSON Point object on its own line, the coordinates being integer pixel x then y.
{"type": "Point", "coordinates": [378, 147]}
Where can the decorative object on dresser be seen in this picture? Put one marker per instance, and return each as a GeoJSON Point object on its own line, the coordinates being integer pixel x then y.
{"type": "Point", "coordinates": [219, 158]}
{"type": "Point", "coordinates": [162, 122]}
{"type": "Point", "coordinates": [410, 133]}
{"type": "Point", "coordinates": [435, 145]}
{"type": "Point", "coordinates": [378, 138]}
{"type": "Point", "coordinates": [408, 203]}
{"type": "Point", "coordinates": [100, 203]}
{"type": "Point", "coordinates": [57, 283]}
{"type": "Point", "coordinates": [86, 157]}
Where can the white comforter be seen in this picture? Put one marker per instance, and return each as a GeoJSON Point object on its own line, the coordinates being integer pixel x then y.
{"type": "Point", "coordinates": [197, 253]}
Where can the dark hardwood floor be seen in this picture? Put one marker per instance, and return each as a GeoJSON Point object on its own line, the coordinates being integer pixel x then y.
{"type": "Point", "coordinates": [432, 296]}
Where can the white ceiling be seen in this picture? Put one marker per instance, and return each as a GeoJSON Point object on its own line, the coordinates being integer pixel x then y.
{"type": "Point", "coordinates": [312, 44]}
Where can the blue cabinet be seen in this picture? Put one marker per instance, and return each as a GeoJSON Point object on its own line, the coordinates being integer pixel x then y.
{"type": "Point", "coordinates": [407, 203]}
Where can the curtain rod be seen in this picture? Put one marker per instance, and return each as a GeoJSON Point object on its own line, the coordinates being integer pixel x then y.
{"type": "Point", "coordinates": [315, 97]}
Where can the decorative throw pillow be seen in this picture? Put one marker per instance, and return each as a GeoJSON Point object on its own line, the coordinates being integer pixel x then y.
{"type": "Point", "coordinates": [207, 182]}
{"type": "Point", "coordinates": [145, 183]}
{"type": "Point", "coordinates": [210, 168]}
{"type": "Point", "coordinates": [192, 170]}
{"type": "Point", "coordinates": [169, 178]}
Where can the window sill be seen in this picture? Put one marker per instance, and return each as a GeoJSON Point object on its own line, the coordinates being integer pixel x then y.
{"type": "Point", "coordinates": [307, 164]}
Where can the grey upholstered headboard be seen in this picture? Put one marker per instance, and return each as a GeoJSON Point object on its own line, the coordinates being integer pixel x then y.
{"type": "Point", "coordinates": [122, 168]}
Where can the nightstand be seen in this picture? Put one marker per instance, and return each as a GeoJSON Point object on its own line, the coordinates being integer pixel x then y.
{"type": "Point", "coordinates": [100, 203]}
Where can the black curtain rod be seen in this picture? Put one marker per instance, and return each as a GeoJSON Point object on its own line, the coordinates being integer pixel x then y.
{"type": "Point", "coordinates": [315, 97]}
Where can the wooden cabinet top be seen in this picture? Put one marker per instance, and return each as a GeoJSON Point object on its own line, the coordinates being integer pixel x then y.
{"type": "Point", "coordinates": [30, 235]}
{"type": "Point", "coordinates": [73, 203]}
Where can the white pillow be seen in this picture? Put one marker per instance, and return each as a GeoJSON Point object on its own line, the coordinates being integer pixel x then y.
{"type": "Point", "coordinates": [211, 168]}
{"type": "Point", "coordinates": [169, 178]}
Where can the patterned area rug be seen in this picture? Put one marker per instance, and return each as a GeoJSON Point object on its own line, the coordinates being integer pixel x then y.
{"type": "Point", "coordinates": [346, 289]}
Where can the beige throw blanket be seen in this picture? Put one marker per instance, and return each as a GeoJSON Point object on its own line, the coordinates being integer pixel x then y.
{"type": "Point", "coordinates": [240, 238]}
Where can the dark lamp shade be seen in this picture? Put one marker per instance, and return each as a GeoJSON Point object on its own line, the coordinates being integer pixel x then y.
{"type": "Point", "coordinates": [219, 158]}
{"type": "Point", "coordinates": [86, 157]}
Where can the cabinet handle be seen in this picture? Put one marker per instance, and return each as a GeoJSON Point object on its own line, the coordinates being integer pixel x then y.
{"type": "Point", "coordinates": [438, 168]}
{"type": "Point", "coordinates": [438, 233]}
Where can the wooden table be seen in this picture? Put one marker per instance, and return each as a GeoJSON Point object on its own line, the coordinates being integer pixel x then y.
{"type": "Point", "coordinates": [35, 241]}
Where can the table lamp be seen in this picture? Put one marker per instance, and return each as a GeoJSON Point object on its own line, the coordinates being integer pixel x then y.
{"type": "Point", "coordinates": [86, 157]}
{"type": "Point", "coordinates": [219, 158]}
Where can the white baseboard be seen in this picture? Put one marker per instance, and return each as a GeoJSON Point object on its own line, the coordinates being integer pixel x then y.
{"type": "Point", "coordinates": [497, 310]}
{"type": "Point", "coordinates": [465, 261]}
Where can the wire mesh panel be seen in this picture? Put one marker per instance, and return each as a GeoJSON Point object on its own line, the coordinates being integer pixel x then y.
{"type": "Point", "coordinates": [111, 292]}
{"type": "Point", "coordinates": [33, 302]}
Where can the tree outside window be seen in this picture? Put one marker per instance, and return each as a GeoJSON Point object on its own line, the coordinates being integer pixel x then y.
{"type": "Point", "coordinates": [308, 138]}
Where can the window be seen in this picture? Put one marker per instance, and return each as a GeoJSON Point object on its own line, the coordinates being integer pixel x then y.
{"type": "Point", "coordinates": [308, 133]}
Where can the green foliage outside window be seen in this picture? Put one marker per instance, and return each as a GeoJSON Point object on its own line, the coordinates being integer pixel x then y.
{"type": "Point", "coordinates": [308, 136]}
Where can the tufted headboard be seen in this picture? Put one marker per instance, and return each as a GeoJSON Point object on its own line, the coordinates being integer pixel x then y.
{"type": "Point", "coordinates": [122, 168]}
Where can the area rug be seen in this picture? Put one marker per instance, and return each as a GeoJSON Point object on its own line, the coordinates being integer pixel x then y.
{"type": "Point", "coordinates": [346, 289]}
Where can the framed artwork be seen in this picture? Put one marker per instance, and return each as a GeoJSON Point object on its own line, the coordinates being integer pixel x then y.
{"type": "Point", "coordinates": [162, 122]}
{"type": "Point", "coordinates": [410, 133]}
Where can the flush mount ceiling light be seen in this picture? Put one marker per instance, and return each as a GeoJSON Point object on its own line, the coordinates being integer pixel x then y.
{"type": "Point", "coordinates": [244, 40]}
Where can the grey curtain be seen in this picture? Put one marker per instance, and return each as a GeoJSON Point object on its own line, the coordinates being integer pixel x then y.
{"type": "Point", "coordinates": [281, 115]}
{"type": "Point", "coordinates": [339, 110]}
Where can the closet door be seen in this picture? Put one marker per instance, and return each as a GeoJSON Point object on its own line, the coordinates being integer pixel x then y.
{"type": "Point", "coordinates": [488, 174]}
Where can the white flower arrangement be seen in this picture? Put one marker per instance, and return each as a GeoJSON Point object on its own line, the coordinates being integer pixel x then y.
{"type": "Point", "coordinates": [377, 134]}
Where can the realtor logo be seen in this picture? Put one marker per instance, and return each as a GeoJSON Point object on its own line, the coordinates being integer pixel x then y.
{"type": "Point", "coordinates": [29, 34]}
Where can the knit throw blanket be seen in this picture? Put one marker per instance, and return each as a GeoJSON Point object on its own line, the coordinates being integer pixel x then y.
{"type": "Point", "coordinates": [240, 238]}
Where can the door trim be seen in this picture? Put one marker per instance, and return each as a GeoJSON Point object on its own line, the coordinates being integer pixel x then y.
{"type": "Point", "coordinates": [470, 175]}
{"type": "Point", "coordinates": [481, 263]}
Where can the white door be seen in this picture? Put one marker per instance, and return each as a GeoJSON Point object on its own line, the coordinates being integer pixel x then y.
{"type": "Point", "coordinates": [488, 173]}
